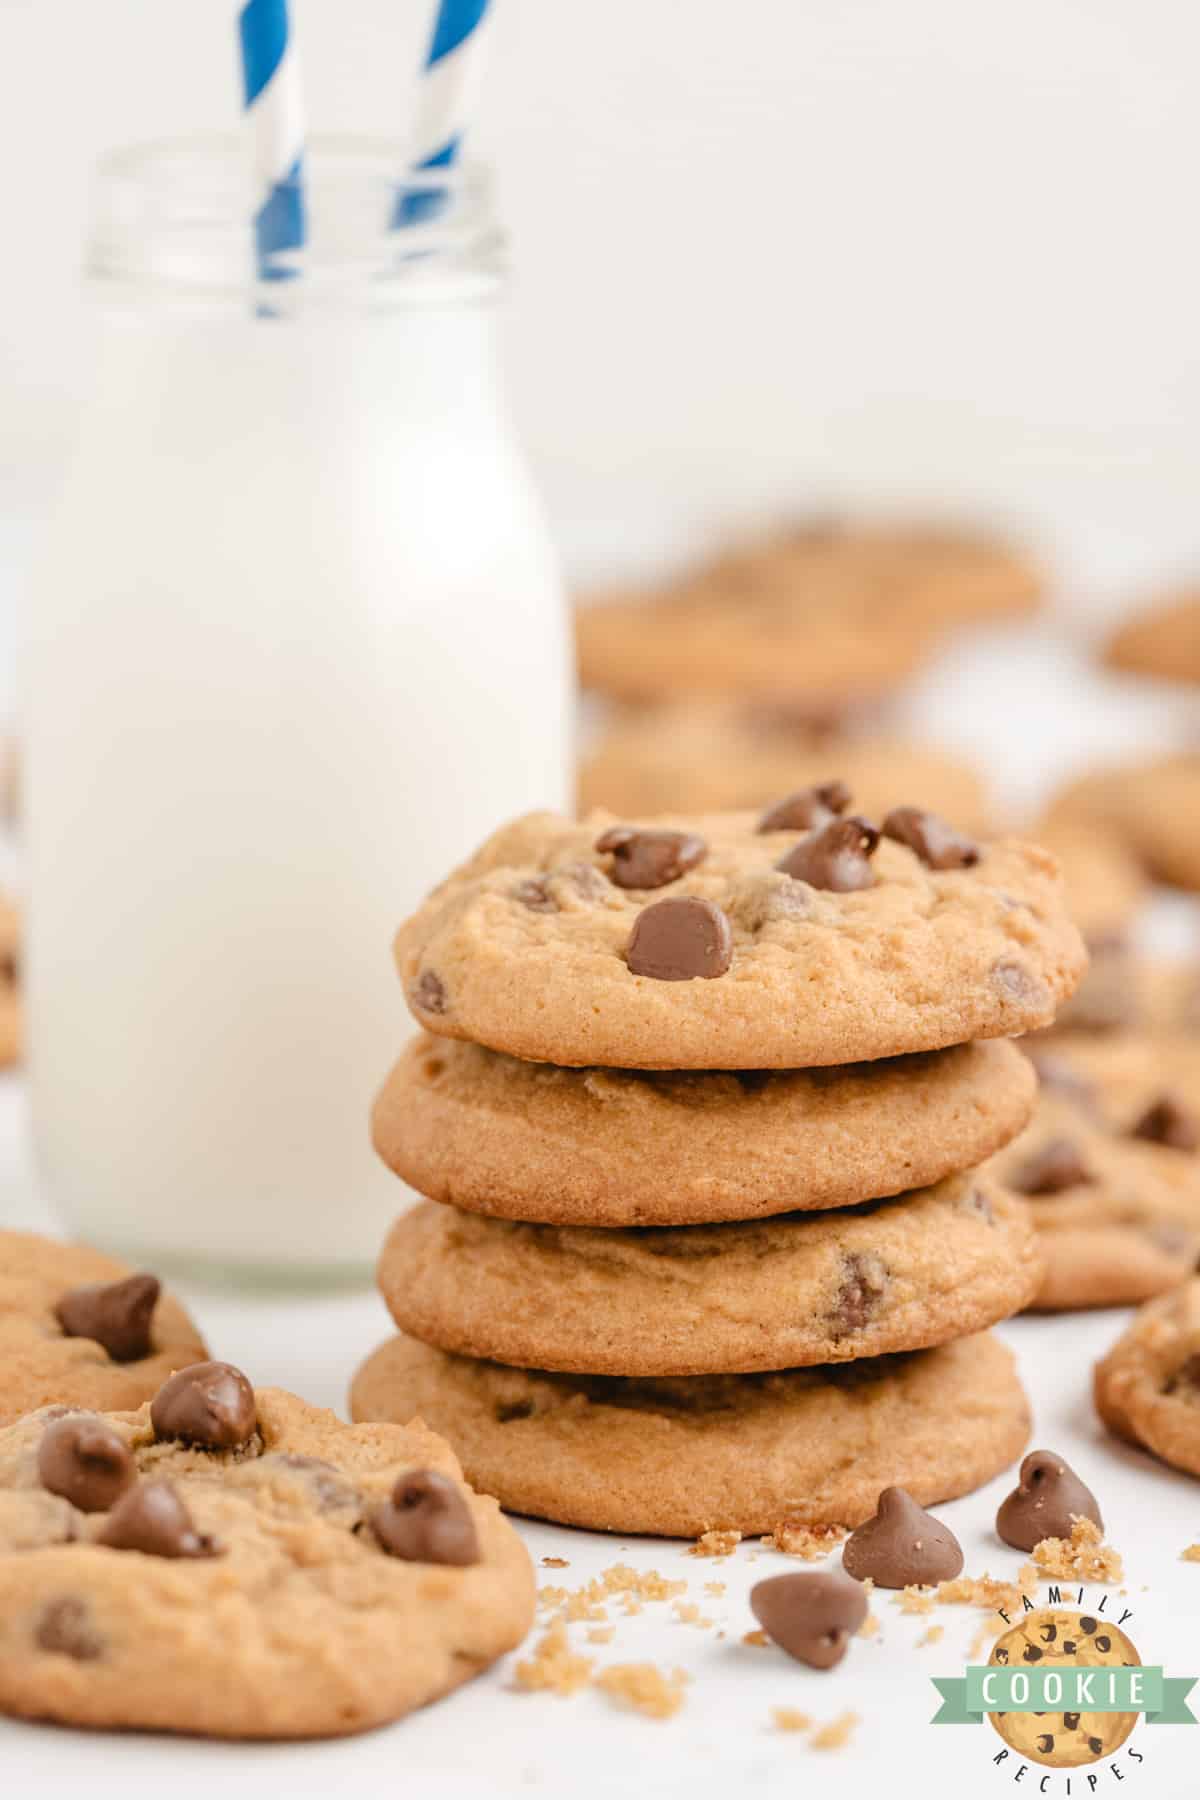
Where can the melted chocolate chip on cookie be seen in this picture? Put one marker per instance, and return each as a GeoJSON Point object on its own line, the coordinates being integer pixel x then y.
{"type": "Point", "coordinates": [864, 1283]}
{"type": "Point", "coordinates": [650, 859]}
{"type": "Point", "coordinates": [807, 808]}
{"type": "Point", "coordinates": [1168, 1121]}
{"type": "Point", "coordinates": [115, 1314]}
{"type": "Point", "coordinates": [937, 844]}
{"type": "Point", "coordinates": [429, 995]}
{"type": "Point", "coordinates": [210, 1405]}
{"type": "Point", "coordinates": [83, 1460]}
{"type": "Point", "coordinates": [1053, 1169]}
{"type": "Point", "coordinates": [679, 940]}
{"type": "Point", "coordinates": [836, 858]}
{"type": "Point", "coordinates": [152, 1518]}
{"type": "Point", "coordinates": [427, 1520]}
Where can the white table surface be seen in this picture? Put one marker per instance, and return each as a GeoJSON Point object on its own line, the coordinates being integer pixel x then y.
{"type": "Point", "coordinates": [1023, 700]}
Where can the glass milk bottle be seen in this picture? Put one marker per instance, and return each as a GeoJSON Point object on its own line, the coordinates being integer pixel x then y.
{"type": "Point", "coordinates": [300, 643]}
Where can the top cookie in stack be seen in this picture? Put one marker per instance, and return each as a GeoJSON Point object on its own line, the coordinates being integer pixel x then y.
{"type": "Point", "coordinates": [718, 1100]}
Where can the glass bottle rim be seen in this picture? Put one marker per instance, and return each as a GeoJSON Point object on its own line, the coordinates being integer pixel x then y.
{"type": "Point", "coordinates": [175, 217]}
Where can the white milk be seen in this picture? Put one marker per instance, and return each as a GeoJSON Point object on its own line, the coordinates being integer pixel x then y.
{"type": "Point", "coordinates": [300, 645]}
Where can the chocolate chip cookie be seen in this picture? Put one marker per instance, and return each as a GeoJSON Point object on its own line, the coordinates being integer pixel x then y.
{"type": "Point", "coordinates": [522, 1140]}
{"type": "Point", "coordinates": [715, 1299]}
{"type": "Point", "coordinates": [236, 1563]}
{"type": "Point", "coordinates": [698, 756]}
{"type": "Point", "coordinates": [80, 1329]}
{"type": "Point", "coordinates": [675, 1458]}
{"type": "Point", "coordinates": [1148, 1386]}
{"type": "Point", "coordinates": [1064, 1740]}
{"type": "Point", "coordinates": [1117, 1210]}
{"type": "Point", "coordinates": [808, 937]}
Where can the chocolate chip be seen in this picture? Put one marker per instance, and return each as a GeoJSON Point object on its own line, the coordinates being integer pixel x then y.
{"type": "Point", "coordinates": [1018, 984]}
{"type": "Point", "coordinates": [864, 1282]}
{"type": "Point", "coordinates": [902, 1546]}
{"type": "Point", "coordinates": [1184, 1382]}
{"type": "Point", "coordinates": [1087, 1625]}
{"type": "Point", "coordinates": [427, 1521]}
{"type": "Point", "coordinates": [835, 857]}
{"type": "Point", "coordinates": [1031, 1653]}
{"type": "Point", "coordinates": [1045, 1743]}
{"type": "Point", "coordinates": [1055, 1073]}
{"type": "Point", "coordinates": [536, 895]}
{"type": "Point", "coordinates": [1168, 1121]}
{"type": "Point", "coordinates": [429, 994]}
{"type": "Point", "coordinates": [116, 1314]}
{"type": "Point", "coordinates": [812, 1617]}
{"type": "Point", "coordinates": [937, 844]}
{"type": "Point", "coordinates": [1053, 1169]}
{"type": "Point", "coordinates": [83, 1460]}
{"type": "Point", "coordinates": [1071, 1721]}
{"type": "Point", "coordinates": [507, 1412]}
{"type": "Point", "coordinates": [807, 808]}
{"type": "Point", "coordinates": [65, 1629]}
{"type": "Point", "coordinates": [1104, 1644]}
{"type": "Point", "coordinates": [210, 1404]}
{"type": "Point", "coordinates": [1045, 1503]}
{"type": "Point", "coordinates": [650, 859]}
{"type": "Point", "coordinates": [680, 939]}
{"type": "Point", "coordinates": [333, 1493]}
{"type": "Point", "coordinates": [153, 1519]}
{"type": "Point", "coordinates": [977, 1202]}
{"type": "Point", "coordinates": [1096, 1746]}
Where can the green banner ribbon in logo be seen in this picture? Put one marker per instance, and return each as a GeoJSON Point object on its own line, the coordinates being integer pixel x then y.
{"type": "Point", "coordinates": [1064, 1687]}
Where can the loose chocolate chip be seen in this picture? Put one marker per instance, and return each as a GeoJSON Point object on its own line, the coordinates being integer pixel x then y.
{"type": "Point", "coordinates": [427, 1521]}
{"type": "Point", "coordinates": [807, 808]}
{"type": "Point", "coordinates": [83, 1460]}
{"type": "Point", "coordinates": [1045, 1503]}
{"type": "Point", "coordinates": [937, 844]}
{"type": "Point", "coordinates": [116, 1314]}
{"type": "Point", "coordinates": [1053, 1169]}
{"type": "Point", "coordinates": [153, 1519]}
{"type": "Point", "coordinates": [902, 1546]}
{"type": "Point", "coordinates": [65, 1629]}
{"type": "Point", "coordinates": [430, 992]}
{"type": "Point", "coordinates": [812, 1617]}
{"type": "Point", "coordinates": [864, 1282]}
{"type": "Point", "coordinates": [836, 857]}
{"type": "Point", "coordinates": [1168, 1121]}
{"type": "Point", "coordinates": [650, 859]}
{"type": "Point", "coordinates": [680, 939]}
{"type": "Point", "coordinates": [210, 1404]}
{"type": "Point", "coordinates": [534, 894]}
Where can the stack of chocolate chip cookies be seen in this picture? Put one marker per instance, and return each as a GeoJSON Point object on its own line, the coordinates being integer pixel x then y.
{"type": "Point", "coordinates": [701, 1109]}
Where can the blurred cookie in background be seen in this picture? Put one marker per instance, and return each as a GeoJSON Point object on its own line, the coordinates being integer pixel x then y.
{"type": "Point", "coordinates": [1106, 888]}
{"type": "Point", "coordinates": [1152, 806]}
{"type": "Point", "coordinates": [842, 612]}
{"type": "Point", "coordinates": [1162, 640]}
{"type": "Point", "coordinates": [699, 756]}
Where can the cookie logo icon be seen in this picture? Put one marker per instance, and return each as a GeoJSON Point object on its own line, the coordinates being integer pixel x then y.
{"type": "Point", "coordinates": [1063, 1739]}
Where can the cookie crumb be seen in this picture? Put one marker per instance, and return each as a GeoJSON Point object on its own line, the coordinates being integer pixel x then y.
{"type": "Point", "coordinates": [758, 1639]}
{"type": "Point", "coordinates": [869, 1627]}
{"type": "Point", "coordinates": [810, 1542]}
{"type": "Point", "coordinates": [837, 1733]}
{"type": "Point", "coordinates": [786, 1718]}
{"type": "Point", "coordinates": [933, 1634]}
{"type": "Point", "coordinates": [1084, 1556]}
{"type": "Point", "coordinates": [601, 1634]}
{"type": "Point", "coordinates": [916, 1599]}
{"type": "Point", "coordinates": [644, 1687]}
{"type": "Point", "coordinates": [555, 1562]}
{"type": "Point", "coordinates": [688, 1613]}
{"type": "Point", "coordinates": [554, 1667]}
{"type": "Point", "coordinates": [715, 1588]}
{"type": "Point", "coordinates": [715, 1543]}
{"type": "Point", "coordinates": [1191, 1554]}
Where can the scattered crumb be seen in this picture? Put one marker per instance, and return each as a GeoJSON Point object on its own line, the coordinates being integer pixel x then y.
{"type": "Point", "coordinates": [932, 1635]}
{"type": "Point", "coordinates": [715, 1588]}
{"type": "Point", "coordinates": [1084, 1556]}
{"type": "Point", "coordinates": [601, 1634]}
{"type": "Point", "coordinates": [555, 1562]}
{"type": "Point", "coordinates": [869, 1627]}
{"type": "Point", "coordinates": [645, 1688]}
{"type": "Point", "coordinates": [1191, 1554]}
{"type": "Point", "coordinates": [688, 1613]}
{"type": "Point", "coordinates": [979, 1643]}
{"type": "Point", "coordinates": [786, 1718]}
{"type": "Point", "coordinates": [618, 1582]}
{"type": "Point", "coordinates": [916, 1599]}
{"type": "Point", "coordinates": [811, 1542]}
{"type": "Point", "coordinates": [757, 1638]}
{"type": "Point", "coordinates": [715, 1543]}
{"type": "Point", "coordinates": [836, 1733]}
{"type": "Point", "coordinates": [969, 1590]}
{"type": "Point", "coordinates": [554, 1667]}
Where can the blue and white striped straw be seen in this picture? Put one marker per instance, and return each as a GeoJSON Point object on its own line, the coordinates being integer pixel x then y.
{"type": "Point", "coordinates": [274, 108]}
{"type": "Point", "coordinates": [449, 83]}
